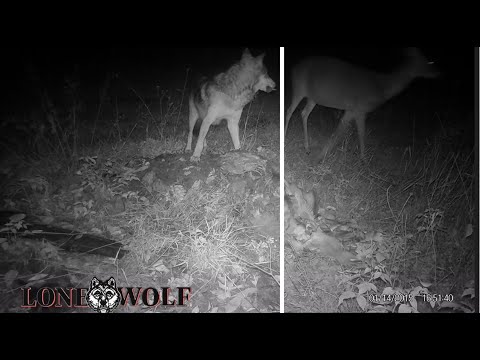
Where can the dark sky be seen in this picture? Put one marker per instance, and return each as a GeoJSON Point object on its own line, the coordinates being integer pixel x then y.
{"type": "Point", "coordinates": [164, 62]}
{"type": "Point", "coordinates": [145, 68]}
{"type": "Point", "coordinates": [141, 68]}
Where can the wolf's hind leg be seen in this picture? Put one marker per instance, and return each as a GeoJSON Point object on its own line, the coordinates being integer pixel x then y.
{"type": "Point", "coordinates": [209, 119]}
{"type": "Point", "coordinates": [192, 119]}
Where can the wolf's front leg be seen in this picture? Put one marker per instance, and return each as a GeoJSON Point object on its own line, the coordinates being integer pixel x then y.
{"type": "Point", "coordinates": [233, 128]}
{"type": "Point", "coordinates": [188, 148]}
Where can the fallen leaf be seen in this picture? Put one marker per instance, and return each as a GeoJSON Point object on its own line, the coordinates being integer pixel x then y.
{"type": "Point", "coordinates": [10, 276]}
{"type": "Point", "coordinates": [16, 218]}
{"type": "Point", "coordinates": [468, 230]}
{"type": "Point", "coordinates": [37, 277]}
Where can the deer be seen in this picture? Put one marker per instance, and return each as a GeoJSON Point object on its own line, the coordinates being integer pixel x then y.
{"type": "Point", "coordinates": [356, 90]}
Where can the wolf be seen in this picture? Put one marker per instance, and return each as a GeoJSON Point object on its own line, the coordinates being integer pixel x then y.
{"type": "Point", "coordinates": [224, 97]}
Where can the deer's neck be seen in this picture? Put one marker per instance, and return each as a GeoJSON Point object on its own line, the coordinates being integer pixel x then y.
{"type": "Point", "coordinates": [397, 81]}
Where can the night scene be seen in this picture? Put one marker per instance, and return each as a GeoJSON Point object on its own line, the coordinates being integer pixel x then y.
{"type": "Point", "coordinates": [141, 179]}
{"type": "Point", "coordinates": [381, 185]}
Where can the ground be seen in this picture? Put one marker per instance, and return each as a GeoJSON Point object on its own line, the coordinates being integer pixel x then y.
{"type": "Point", "coordinates": [399, 211]}
{"type": "Point", "coordinates": [212, 226]}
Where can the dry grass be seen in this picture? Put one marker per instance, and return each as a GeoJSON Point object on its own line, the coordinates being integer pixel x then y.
{"type": "Point", "coordinates": [200, 237]}
{"type": "Point", "coordinates": [415, 210]}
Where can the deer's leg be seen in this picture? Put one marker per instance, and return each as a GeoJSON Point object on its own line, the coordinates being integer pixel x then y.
{"type": "Point", "coordinates": [293, 105]}
{"type": "Point", "coordinates": [360, 121]}
{"type": "Point", "coordinates": [344, 122]}
{"type": "Point", "coordinates": [305, 114]}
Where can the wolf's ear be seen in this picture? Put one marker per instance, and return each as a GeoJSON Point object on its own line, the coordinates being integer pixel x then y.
{"type": "Point", "coordinates": [111, 282]}
{"type": "Point", "coordinates": [246, 54]}
{"type": "Point", "coordinates": [260, 58]}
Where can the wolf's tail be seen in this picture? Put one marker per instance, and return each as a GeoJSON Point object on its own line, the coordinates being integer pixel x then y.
{"type": "Point", "coordinates": [198, 82]}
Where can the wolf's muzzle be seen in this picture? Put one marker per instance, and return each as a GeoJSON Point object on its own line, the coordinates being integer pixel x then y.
{"type": "Point", "coordinates": [270, 89]}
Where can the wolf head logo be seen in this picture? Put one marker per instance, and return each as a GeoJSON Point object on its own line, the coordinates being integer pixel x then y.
{"type": "Point", "coordinates": [103, 296]}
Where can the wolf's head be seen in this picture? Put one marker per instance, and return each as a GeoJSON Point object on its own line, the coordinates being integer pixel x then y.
{"type": "Point", "coordinates": [263, 82]}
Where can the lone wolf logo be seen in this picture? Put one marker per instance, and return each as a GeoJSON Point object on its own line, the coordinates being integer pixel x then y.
{"type": "Point", "coordinates": [224, 97]}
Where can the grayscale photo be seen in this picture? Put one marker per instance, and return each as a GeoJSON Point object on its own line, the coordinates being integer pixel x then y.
{"type": "Point", "coordinates": [140, 180]}
{"type": "Point", "coordinates": [381, 185]}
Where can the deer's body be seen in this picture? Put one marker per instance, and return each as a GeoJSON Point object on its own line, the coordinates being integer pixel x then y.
{"type": "Point", "coordinates": [337, 84]}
